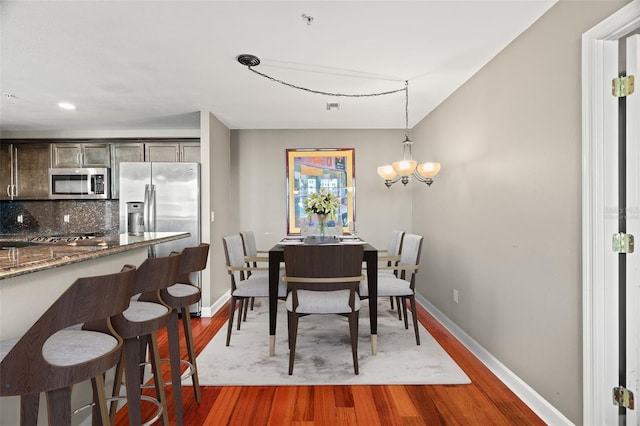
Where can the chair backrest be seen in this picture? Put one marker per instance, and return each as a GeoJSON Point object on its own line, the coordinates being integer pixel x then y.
{"type": "Point", "coordinates": [234, 257]}
{"type": "Point", "coordinates": [410, 254]}
{"type": "Point", "coordinates": [88, 300]}
{"type": "Point", "coordinates": [395, 243]}
{"type": "Point", "coordinates": [249, 243]}
{"type": "Point", "coordinates": [156, 273]}
{"type": "Point", "coordinates": [323, 261]}
{"type": "Point", "coordinates": [193, 259]}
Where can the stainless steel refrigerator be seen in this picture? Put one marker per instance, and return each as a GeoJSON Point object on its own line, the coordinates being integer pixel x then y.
{"type": "Point", "coordinates": [171, 196]}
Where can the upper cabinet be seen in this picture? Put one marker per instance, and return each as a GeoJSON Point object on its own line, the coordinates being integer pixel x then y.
{"type": "Point", "coordinates": [172, 151]}
{"type": "Point", "coordinates": [24, 171]}
{"type": "Point", "coordinates": [80, 155]}
{"type": "Point", "coordinates": [123, 152]}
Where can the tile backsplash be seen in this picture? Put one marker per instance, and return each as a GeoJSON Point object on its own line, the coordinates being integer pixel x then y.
{"type": "Point", "coordinates": [48, 217]}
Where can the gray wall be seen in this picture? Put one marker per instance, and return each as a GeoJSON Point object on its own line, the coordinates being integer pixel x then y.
{"type": "Point", "coordinates": [503, 221]}
{"type": "Point", "coordinates": [259, 171]}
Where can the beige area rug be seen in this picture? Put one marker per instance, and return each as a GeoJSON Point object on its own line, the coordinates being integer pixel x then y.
{"type": "Point", "coordinates": [323, 353]}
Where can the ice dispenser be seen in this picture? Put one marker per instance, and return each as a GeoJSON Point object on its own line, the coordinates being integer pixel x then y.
{"type": "Point", "coordinates": [135, 218]}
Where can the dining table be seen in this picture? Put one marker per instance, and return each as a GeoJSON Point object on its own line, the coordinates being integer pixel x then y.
{"type": "Point", "coordinates": [370, 257]}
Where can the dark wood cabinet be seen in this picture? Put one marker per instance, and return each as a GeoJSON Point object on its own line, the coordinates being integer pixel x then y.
{"type": "Point", "coordinates": [24, 171]}
{"type": "Point", "coordinates": [120, 153]}
{"type": "Point", "coordinates": [172, 151]}
{"type": "Point", "coordinates": [80, 155]}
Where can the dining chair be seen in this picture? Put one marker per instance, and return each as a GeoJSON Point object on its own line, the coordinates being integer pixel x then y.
{"type": "Point", "coordinates": [391, 257]}
{"type": "Point", "coordinates": [403, 285]}
{"type": "Point", "coordinates": [253, 257]}
{"type": "Point", "coordinates": [246, 283]}
{"type": "Point", "coordinates": [73, 341]}
{"type": "Point", "coordinates": [323, 279]}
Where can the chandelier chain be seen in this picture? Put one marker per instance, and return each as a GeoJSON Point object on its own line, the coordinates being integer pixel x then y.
{"type": "Point", "coordinates": [320, 92]}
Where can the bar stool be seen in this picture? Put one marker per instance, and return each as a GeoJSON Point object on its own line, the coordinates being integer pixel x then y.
{"type": "Point", "coordinates": [137, 325]}
{"type": "Point", "coordinates": [179, 297]}
{"type": "Point", "coordinates": [53, 355]}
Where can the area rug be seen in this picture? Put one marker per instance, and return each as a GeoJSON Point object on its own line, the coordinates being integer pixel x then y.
{"type": "Point", "coordinates": [323, 353]}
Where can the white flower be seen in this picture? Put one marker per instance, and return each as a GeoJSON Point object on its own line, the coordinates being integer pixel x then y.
{"type": "Point", "coordinates": [322, 202]}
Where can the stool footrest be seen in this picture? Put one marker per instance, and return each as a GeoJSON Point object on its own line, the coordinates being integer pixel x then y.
{"type": "Point", "coordinates": [190, 372]}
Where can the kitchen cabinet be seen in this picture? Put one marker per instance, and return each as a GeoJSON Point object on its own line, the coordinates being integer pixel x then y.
{"type": "Point", "coordinates": [172, 151]}
{"type": "Point", "coordinates": [24, 171]}
{"type": "Point", "coordinates": [123, 152]}
{"type": "Point", "coordinates": [80, 155]}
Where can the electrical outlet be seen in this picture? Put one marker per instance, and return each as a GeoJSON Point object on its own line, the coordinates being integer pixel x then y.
{"type": "Point", "coordinates": [455, 295]}
{"type": "Point", "coordinates": [20, 218]}
{"type": "Point", "coordinates": [65, 218]}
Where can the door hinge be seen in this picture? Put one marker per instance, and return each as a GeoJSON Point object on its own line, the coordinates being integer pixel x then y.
{"type": "Point", "coordinates": [623, 397]}
{"type": "Point", "coordinates": [622, 243]}
{"type": "Point", "coordinates": [622, 86]}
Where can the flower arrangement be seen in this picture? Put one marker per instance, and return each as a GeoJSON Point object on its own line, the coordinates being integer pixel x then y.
{"type": "Point", "coordinates": [322, 202]}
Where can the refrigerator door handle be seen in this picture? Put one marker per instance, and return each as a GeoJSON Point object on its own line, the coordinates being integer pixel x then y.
{"type": "Point", "coordinates": [152, 208]}
{"type": "Point", "coordinates": [146, 209]}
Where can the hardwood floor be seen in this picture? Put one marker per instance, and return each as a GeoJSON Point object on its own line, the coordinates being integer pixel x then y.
{"type": "Point", "coordinates": [486, 401]}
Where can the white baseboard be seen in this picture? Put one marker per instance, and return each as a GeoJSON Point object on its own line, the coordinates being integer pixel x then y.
{"type": "Point", "coordinates": [547, 412]}
{"type": "Point", "coordinates": [209, 311]}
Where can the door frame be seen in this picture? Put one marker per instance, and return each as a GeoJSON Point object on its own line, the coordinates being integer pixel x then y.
{"type": "Point", "coordinates": [599, 212]}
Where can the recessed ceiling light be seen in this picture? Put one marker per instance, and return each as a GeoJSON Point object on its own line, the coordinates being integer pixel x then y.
{"type": "Point", "coordinates": [333, 106]}
{"type": "Point", "coordinates": [66, 105]}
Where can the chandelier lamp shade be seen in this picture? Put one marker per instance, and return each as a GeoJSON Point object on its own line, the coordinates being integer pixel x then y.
{"type": "Point", "coordinates": [400, 171]}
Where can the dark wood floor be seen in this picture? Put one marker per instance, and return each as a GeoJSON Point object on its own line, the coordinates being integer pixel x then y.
{"type": "Point", "coordinates": [486, 401]}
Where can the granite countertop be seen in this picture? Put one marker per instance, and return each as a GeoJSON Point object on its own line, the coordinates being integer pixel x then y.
{"type": "Point", "coordinates": [34, 258]}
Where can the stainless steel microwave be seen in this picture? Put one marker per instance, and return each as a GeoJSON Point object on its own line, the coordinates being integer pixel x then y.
{"type": "Point", "coordinates": [82, 183]}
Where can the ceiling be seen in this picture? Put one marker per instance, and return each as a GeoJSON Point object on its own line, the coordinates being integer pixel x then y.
{"type": "Point", "coordinates": [156, 64]}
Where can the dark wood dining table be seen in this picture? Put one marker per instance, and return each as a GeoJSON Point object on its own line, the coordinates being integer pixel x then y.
{"type": "Point", "coordinates": [370, 257]}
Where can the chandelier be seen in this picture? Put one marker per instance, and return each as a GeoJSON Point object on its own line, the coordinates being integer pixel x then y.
{"type": "Point", "coordinates": [400, 171]}
{"type": "Point", "coordinates": [397, 171]}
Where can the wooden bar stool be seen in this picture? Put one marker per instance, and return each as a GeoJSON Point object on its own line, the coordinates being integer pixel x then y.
{"type": "Point", "coordinates": [179, 297]}
{"type": "Point", "coordinates": [53, 355]}
{"type": "Point", "coordinates": [137, 325]}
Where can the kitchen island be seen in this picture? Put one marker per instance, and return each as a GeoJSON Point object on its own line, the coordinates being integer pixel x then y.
{"type": "Point", "coordinates": [33, 277]}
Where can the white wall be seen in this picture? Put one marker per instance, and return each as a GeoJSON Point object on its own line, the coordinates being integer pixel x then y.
{"type": "Point", "coordinates": [259, 168]}
{"type": "Point", "coordinates": [503, 220]}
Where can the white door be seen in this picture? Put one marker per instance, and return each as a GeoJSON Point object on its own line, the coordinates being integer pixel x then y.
{"type": "Point", "coordinates": [633, 228]}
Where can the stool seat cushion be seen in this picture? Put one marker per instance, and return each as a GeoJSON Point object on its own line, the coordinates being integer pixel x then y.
{"type": "Point", "coordinates": [71, 347]}
{"type": "Point", "coordinates": [182, 290]}
{"type": "Point", "coordinates": [144, 311]}
{"type": "Point", "coordinates": [322, 302]}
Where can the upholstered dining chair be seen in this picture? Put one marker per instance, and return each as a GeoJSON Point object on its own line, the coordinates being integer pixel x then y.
{"type": "Point", "coordinates": [138, 325]}
{"type": "Point", "coordinates": [403, 285]}
{"type": "Point", "coordinates": [323, 279]}
{"type": "Point", "coordinates": [56, 352]}
{"type": "Point", "coordinates": [391, 257]}
{"type": "Point", "coordinates": [246, 284]}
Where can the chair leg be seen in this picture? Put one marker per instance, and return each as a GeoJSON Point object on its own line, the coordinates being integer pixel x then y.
{"type": "Point", "coordinates": [353, 331]}
{"type": "Point", "coordinates": [117, 384]}
{"type": "Point", "coordinates": [174, 360]}
{"type": "Point", "coordinates": [240, 311]}
{"type": "Point", "coordinates": [191, 352]}
{"type": "Point", "coordinates": [133, 380]}
{"type": "Point", "coordinates": [59, 406]}
{"type": "Point", "coordinates": [404, 311]}
{"type": "Point", "coordinates": [231, 313]}
{"type": "Point", "coordinates": [100, 413]}
{"type": "Point", "coordinates": [253, 299]}
{"type": "Point", "coordinates": [159, 383]}
{"type": "Point", "coordinates": [391, 302]}
{"type": "Point", "coordinates": [29, 409]}
{"type": "Point", "coordinates": [293, 333]}
{"type": "Point", "coordinates": [412, 300]}
{"type": "Point", "coordinates": [399, 308]}
{"type": "Point", "coordinates": [246, 308]}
